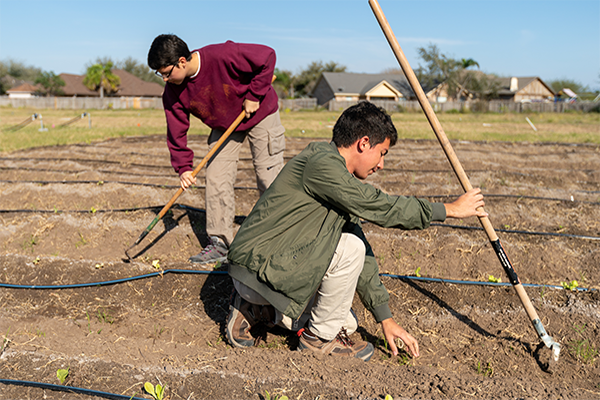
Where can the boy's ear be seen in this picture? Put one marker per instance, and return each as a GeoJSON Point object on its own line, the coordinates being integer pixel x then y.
{"type": "Point", "coordinates": [362, 144]}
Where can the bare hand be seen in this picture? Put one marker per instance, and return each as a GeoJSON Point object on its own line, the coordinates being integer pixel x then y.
{"type": "Point", "coordinates": [187, 179]}
{"type": "Point", "coordinates": [250, 107]}
{"type": "Point", "coordinates": [391, 331]}
{"type": "Point", "coordinates": [468, 205]}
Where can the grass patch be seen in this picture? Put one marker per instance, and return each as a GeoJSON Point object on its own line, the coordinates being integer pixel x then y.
{"type": "Point", "coordinates": [552, 127]}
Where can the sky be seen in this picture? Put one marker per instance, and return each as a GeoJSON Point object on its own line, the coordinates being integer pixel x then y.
{"type": "Point", "coordinates": [546, 38]}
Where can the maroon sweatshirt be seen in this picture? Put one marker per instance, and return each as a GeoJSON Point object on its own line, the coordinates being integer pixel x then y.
{"type": "Point", "coordinates": [229, 73]}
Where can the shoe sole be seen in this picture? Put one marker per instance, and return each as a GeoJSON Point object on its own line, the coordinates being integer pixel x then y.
{"type": "Point", "coordinates": [233, 313]}
{"type": "Point", "coordinates": [211, 261]}
{"type": "Point", "coordinates": [364, 355]}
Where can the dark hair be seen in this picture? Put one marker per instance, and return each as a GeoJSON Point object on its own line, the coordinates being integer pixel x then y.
{"type": "Point", "coordinates": [364, 119]}
{"type": "Point", "coordinates": [166, 50]}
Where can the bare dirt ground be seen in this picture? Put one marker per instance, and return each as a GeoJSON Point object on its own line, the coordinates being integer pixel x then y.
{"type": "Point", "coordinates": [69, 212]}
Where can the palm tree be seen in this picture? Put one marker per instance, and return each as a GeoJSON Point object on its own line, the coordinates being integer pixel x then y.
{"type": "Point", "coordinates": [100, 76]}
{"type": "Point", "coordinates": [465, 64]}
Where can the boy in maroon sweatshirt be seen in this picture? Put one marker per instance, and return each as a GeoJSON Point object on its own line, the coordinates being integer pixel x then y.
{"type": "Point", "coordinates": [215, 83]}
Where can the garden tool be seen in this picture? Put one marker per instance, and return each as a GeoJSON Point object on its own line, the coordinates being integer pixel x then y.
{"type": "Point", "coordinates": [206, 158]}
{"type": "Point", "coordinates": [464, 181]}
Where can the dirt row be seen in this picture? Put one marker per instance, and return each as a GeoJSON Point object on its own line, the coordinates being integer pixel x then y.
{"type": "Point", "coordinates": [68, 213]}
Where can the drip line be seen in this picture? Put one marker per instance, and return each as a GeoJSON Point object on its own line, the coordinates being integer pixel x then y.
{"type": "Point", "coordinates": [206, 272]}
{"type": "Point", "coordinates": [69, 389]}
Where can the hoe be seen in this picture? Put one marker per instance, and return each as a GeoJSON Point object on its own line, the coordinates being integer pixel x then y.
{"type": "Point", "coordinates": [464, 181]}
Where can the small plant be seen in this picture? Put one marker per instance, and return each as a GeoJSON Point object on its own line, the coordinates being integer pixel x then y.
{"type": "Point", "coordinates": [403, 359]}
{"type": "Point", "coordinates": [81, 242]}
{"type": "Point", "coordinates": [485, 371]}
{"type": "Point", "coordinates": [492, 278]}
{"type": "Point", "coordinates": [36, 261]}
{"type": "Point", "coordinates": [418, 272]}
{"type": "Point", "coordinates": [29, 243]}
{"type": "Point", "coordinates": [62, 375]}
{"type": "Point", "coordinates": [388, 397]}
{"type": "Point", "coordinates": [157, 392]}
{"type": "Point", "coordinates": [104, 317]}
{"type": "Point", "coordinates": [99, 266]}
{"type": "Point", "coordinates": [156, 264]}
{"type": "Point", "coordinates": [93, 210]}
{"type": "Point", "coordinates": [570, 285]}
{"type": "Point", "coordinates": [275, 396]}
{"type": "Point", "coordinates": [581, 348]}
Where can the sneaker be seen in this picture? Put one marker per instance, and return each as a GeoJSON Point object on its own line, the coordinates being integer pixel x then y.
{"type": "Point", "coordinates": [216, 251]}
{"type": "Point", "coordinates": [243, 316]}
{"type": "Point", "coordinates": [341, 345]}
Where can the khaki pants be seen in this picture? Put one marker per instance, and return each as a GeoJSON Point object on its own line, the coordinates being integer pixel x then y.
{"type": "Point", "coordinates": [267, 142]}
{"type": "Point", "coordinates": [330, 308]}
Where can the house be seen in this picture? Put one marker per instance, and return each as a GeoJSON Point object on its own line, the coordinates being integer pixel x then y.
{"type": "Point", "coordinates": [524, 89]}
{"type": "Point", "coordinates": [130, 86]}
{"type": "Point", "coordinates": [346, 86]}
{"type": "Point", "coordinates": [23, 91]}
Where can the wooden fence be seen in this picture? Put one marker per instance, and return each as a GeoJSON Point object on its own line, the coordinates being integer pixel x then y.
{"type": "Point", "coordinates": [86, 103]}
{"type": "Point", "coordinates": [83, 103]}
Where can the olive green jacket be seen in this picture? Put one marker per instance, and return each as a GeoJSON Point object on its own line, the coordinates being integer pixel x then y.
{"type": "Point", "coordinates": [285, 245]}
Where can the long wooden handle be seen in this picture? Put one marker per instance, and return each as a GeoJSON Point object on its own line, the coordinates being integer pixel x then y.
{"type": "Point", "coordinates": [450, 154]}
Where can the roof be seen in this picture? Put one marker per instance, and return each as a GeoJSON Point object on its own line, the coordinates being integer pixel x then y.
{"type": "Point", "coordinates": [360, 84]}
{"type": "Point", "coordinates": [521, 83]}
{"type": "Point", "coordinates": [130, 85]}
{"type": "Point", "coordinates": [24, 88]}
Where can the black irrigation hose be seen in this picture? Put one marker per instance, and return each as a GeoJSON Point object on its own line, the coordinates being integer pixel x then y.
{"type": "Point", "coordinates": [240, 218]}
{"type": "Point", "coordinates": [435, 196]}
{"type": "Point", "coordinates": [69, 389]}
{"type": "Point", "coordinates": [478, 228]}
{"type": "Point", "coordinates": [205, 272]}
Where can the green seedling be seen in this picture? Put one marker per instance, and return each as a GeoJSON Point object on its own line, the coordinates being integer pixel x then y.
{"type": "Point", "coordinates": [99, 266]}
{"type": "Point", "coordinates": [485, 371]}
{"type": "Point", "coordinates": [581, 348]}
{"type": "Point", "coordinates": [492, 278]}
{"type": "Point", "coordinates": [418, 272]}
{"type": "Point", "coordinates": [275, 396]}
{"type": "Point", "coordinates": [388, 397]}
{"type": "Point", "coordinates": [104, 317]}
{"type": "Point", "coordinates": [93, 210]}
{"type": "Point", "coordinates": [81, 241]}
{"type": "Point", "coordinates": [157, 392]}
{"type": "Point", "coordinates": [570, 285]}
{"type": "Point", "coordinates": [29, 243]}
{"type": "Point", "coordinates": [403, 359]}
{"type": "Point", "coordinates": [156, 264]}
{"type": "Point", "coordinates": [62, 375]}
{"type": "Point", "coordinates": [36, 261]}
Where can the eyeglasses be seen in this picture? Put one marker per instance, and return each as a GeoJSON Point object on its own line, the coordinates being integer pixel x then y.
{"type": "Point", "coordinates": [161, 76]}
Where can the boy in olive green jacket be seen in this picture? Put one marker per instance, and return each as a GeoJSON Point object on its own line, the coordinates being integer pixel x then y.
{"type": "Point", "coordinates": [301, 254]}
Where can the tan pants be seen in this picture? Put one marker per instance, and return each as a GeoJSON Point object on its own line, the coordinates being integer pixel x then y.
{"type": "Point", "coordinates": [267, 142]}
{"type": "Point", "coordinates": [330, 308]}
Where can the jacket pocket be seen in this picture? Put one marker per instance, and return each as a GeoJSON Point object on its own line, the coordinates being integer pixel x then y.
{"type": "Point", "coordinates": [276, 139]}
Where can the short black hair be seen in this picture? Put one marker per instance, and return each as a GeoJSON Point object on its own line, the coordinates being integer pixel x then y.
{"type": "Point", "coordinates": [364, 119]}
{"type": "Point", "coordinates": [166, 50]}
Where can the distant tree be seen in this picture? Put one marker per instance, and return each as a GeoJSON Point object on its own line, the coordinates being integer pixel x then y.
{"type": "Point", "coordinates": [100, 77]}
{"type": "Point", "coordinates": [438, 68]}
{"type": "Point", "coordinates": [51, 83]}
{"type": "Point", "coordinates": [559, 84]}
{"type": "Point", "coordinates": [308, 77]}
{"type": "Point", "coordinates": [13, 71]}
{"type": "Point", "coordinates": [139, 69]}
{"type": "Point", "coordinates": [466, 76]}
{"type": "Point", "coordinates": [284, 83]}
{"type": "Point", "coordinates": [21, 71]}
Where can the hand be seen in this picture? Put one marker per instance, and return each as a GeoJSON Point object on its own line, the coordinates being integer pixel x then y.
{"type": "Point", "coordinates": [468, 205]}
{"type": "Point", "coordinates": [186, 180]}
{"type": "Point", "coordinates": [250, 107]}
{"type": "Point", "coordinates": [391, 331]}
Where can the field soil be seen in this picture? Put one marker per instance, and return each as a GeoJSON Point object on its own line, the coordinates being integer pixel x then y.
{"type": "Point", "coordinates": [69, 212]}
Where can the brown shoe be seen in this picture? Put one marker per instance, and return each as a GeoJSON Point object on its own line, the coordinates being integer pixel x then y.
{"type": "Point", "coordinates": [340, 346]}
{"type": "Point", "coordinates": [243, 316]}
